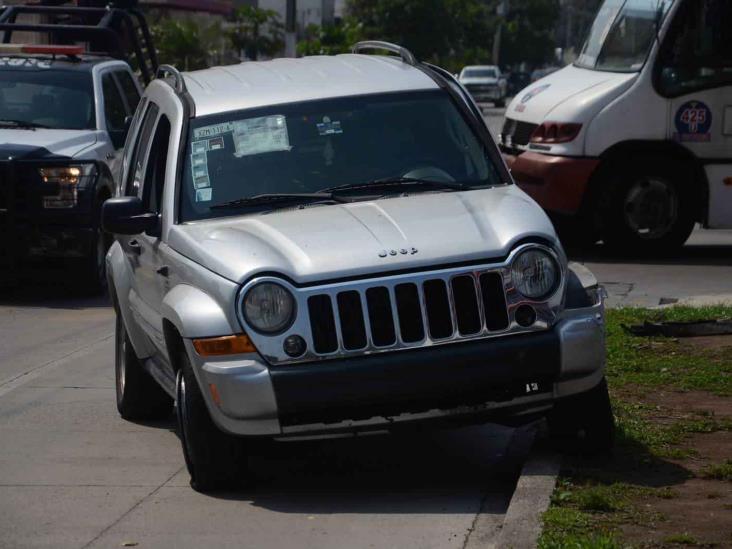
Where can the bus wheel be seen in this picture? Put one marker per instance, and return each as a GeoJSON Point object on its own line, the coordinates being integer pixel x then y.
{"type": "Point", "coordinates": [649, 206]}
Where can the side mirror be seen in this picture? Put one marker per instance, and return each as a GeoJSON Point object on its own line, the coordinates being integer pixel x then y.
{"type": "Point", "coordinates": [125, 215]}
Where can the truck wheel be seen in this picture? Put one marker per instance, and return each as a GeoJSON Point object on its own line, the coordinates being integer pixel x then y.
{"type": "Point", "coordinates": [214, 459]}
{"type": "Point", "coordinates": [95, 265]}
{"type": "Point", "coordinates": [649, 206]}
{"type": "Point", "coordinates": [138, 395]}
{"type": "Point", "coordinates": [499, 103]}
{"type": "Point", "coordinates": [584, 423]}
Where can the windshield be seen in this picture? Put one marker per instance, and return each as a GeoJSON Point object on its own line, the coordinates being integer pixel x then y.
{"type": "Point", "coordinates": [622, 34]}
{"type": "Point", "coordinates": [47, 98]}
{"type": "Point", "coordinates": [479, 73]}
{"type": "Point", "coordinates": [311, 146]}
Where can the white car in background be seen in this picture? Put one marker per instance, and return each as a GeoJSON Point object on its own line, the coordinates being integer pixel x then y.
{"type": "Point", "coordinates": [485, 83]}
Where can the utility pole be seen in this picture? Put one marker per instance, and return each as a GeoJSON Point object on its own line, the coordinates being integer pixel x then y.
{"type": "Point", "coordinates": [291, 29]}
{"type": "Point", "coordinates": [501, 11]}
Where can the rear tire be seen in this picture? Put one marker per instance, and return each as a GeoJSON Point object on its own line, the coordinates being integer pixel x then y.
{"type": "Point", "coordinates": [214, 459]}
{"type": "Point", "coordinates": [139, 397]}
{"type": "Point", "coordinates": [584, 423]}
{"type": "Point", "coordinates": [648, 205]}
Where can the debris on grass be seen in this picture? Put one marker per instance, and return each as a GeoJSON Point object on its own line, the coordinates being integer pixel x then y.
{"type": "Point", "coordinates": [681, 539]}
{"type": "Point", "coordinates": [695, 328]}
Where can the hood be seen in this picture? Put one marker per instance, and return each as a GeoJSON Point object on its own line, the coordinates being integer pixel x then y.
{"type": "Point", "coordinates": [571, 90]}
{"type": "Point", "coordinates": [41, 143]}
{"type": "Point", "coordinates": [325, 242]}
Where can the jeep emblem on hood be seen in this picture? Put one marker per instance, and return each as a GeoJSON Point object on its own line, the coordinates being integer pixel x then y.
{"type": "Point", "coordinates": [403, 251]}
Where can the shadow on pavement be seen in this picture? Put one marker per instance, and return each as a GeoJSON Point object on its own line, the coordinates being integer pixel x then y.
{"type": "Point", "coordinates": [690, 254]}
{"type": "Point", "coordinates": [53, 286]}
{"type": "Point", "coordinates": [443, 472]}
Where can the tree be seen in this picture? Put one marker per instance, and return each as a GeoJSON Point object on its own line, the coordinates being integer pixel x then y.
{"type": "Point", "coordinates": [183, 43]}
{"type": "Point", "coordinates": [449, 32]}
{"type": "Point", "coordinates": [330, 39]}
{"type": "Point", "coordinates": [256, 32]}
{"type": "Point", "coordinates": [529, 32]}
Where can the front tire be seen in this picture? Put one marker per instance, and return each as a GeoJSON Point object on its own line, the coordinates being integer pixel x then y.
{"type": "Point", "coordinates": [214, 459]}
{"type": "Point", "coordinates": [139, 397]}
{"type": "Point", "coordinates": [648, 206]}
{"type": "Point", "coordinates": [584, 423]}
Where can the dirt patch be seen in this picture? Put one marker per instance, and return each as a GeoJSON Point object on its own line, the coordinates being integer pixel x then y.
{"type": "Point", "coordinates": [718, 344]}
{"type": "Point", "coordinates": [687, 402]}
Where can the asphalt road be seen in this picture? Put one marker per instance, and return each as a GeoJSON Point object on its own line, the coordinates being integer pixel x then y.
{"type": "Point", "coordinates": [73, 474]}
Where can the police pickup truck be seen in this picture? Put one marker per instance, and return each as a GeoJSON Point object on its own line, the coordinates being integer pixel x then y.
{"type": "Point", "coordinates": [63, 114]}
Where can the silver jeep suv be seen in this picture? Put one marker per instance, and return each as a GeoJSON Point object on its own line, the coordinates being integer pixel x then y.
{"type": "Point", "coordinates": [327, 245]}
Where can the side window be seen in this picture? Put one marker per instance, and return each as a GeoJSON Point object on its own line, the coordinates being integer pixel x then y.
{"type": "Point", "coordinates": [152, 192]}
{"type": "Point", "coordinates": [114, 107]}
{"type": "Point", "coordinates": [129, 89]}
{"type": "Point", "coordinates": [697, 52]}
{"type": "Point", "coordinates": [137, 161]}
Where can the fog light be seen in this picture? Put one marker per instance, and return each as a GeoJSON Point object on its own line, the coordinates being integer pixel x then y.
{"type": "Point", "coordinates": [525, 315]}
{"type": "Point", "coordinates": [294, 346]}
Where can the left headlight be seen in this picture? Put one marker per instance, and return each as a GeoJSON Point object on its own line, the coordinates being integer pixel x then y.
{"type": "Point", "coordinates": [535, 273]}
{"type": "Point", "coordinates": [269, 307]}
{"type": "Point", "coordinates": [69, 179]}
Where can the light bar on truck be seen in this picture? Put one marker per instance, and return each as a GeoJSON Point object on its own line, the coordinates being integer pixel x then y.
{"type": "Point", "coordinates": [42, 48]}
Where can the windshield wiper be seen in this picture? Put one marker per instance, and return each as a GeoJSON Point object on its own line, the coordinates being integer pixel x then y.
{"type": "Point", "coordinates": [277, 198]}
{"type": "Point", "coordinates": [399, 183]}
{"type": "Point", "coordinates": [20, 124]}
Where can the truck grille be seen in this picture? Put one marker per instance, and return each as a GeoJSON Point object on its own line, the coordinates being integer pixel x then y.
{"type": "Point", "coordinates": [408, 313]}
{"type": "Point", "coordinates": [516, 132]}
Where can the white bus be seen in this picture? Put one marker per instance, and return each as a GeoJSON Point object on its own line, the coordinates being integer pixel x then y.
{"type": "Point", "coordinates": [634, 140]}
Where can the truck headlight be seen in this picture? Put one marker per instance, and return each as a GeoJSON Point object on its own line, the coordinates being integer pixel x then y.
{"type": "Point", "coordinates": [535, 273]}
{"type": "Point", "coordinates": [68, 179]}
{"type": "Point", "coordinates": [269, 308]}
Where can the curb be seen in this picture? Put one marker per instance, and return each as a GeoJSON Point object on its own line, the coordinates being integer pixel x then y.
{"type": "Point", "coordinates": [700, 301]}
{"type": "Point", "coordinates": [522, 523]}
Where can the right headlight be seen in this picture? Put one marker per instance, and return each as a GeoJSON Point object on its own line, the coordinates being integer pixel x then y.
{"type": "Point", "coordinates": [535, 273]}
{"type": "Point", "coordinates": [269, 308]}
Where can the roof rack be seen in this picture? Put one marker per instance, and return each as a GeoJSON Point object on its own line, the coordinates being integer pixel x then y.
{"type": "Point", "coordinates": [406, 55]}
{"type": "Point", "coordinates": [169, 70]}
{"type": "Point", "coordinates": [109, 31]}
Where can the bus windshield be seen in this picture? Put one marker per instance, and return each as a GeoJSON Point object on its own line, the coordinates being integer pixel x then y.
{"type": "Point", "coordinates": [622, 35]}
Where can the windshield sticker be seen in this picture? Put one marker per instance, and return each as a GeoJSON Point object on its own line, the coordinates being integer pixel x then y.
{"type": "Point", "coordinates": [693, 123]}
{"type": "Point", "coordinates": [199, 147]}
{"type": "Point", "coordinates": [213, 130]}
{"type": "Point", "coordinates": [328, 127]}
{"type": "Point", "coordinates": [198, 159]}
{"type": "Point", "coordinates": [203, 195]}
{"type": "Point", "coordinates": [261, 135]}
{"type": "Point", "coordinates": [528, 96]}
{"type": "Point", "coordinates": [216, 143]}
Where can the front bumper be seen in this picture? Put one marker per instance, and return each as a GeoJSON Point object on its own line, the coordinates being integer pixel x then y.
{"type": "Point", "coordinates": [503, 376]}
{"type": "Point", "coordinates": [557, 183]}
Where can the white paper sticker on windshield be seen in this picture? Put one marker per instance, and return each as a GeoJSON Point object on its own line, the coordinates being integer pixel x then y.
{"type": "Point", "coordinates": [261, 135]}
{"type": "Point", "coordinates": [203, 195]}
{"type": "Point", "coordinates": [199, 147]}
{"type": "Point", "coordinates": [329, 127]}
{"type": "Point", "coordinates": [212, 131]}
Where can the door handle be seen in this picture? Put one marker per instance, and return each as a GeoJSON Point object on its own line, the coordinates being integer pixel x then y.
{"type": "Point", "coordinates": [135, 246]}
{"type": "Point", "coordinates": [163, 271]}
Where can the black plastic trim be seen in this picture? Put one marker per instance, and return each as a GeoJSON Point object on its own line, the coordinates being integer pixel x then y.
{"type": "Point", "coordinates": [445, 376]}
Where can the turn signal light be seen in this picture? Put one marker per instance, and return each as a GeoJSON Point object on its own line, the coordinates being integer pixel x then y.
{"type": "Point", "coordinates": [555, 132]}
{"type": "Point", "coordinates": [224, 345]}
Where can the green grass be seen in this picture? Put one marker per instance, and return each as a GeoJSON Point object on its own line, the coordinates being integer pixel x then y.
{"type": "Point", "coordinates": [681, 539]}
{"type": "Point", "coordinates": [719, 471]}
{"type": "Point", "coordinates": [664, 362]}
{"type": "Point", "coordinates": [593, 499]}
